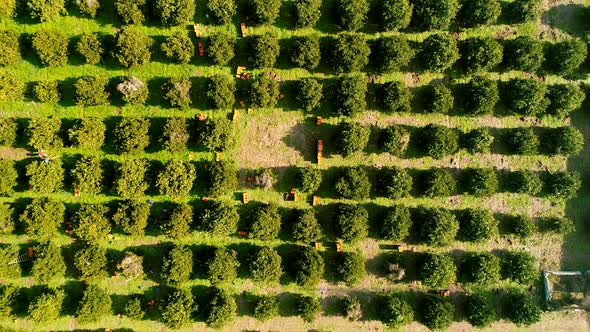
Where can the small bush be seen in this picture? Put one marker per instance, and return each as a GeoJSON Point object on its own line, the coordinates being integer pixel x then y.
{"type": "Point", "coordinates": [566, 57]}
{"type": "Point", "coordinates": [523, 141]}
{"type": "Point", "coordinates": [178, 48]}
{"type": "Point", "coordinates": [438, 99]}
{"type": "Point", "coordinates": [478, 140]}
{"type": "Point", "coordinates": [307, 13]}
{"type": "Point", "coordinates": [353, 183]}
{"type": "Point", "coordinates": [350, 52]}
{"type": "Point", "coordinates": [481, 54]}
{"type": "Point", "coordinates": [217, 135]}
{"type": "Point", "coordinates": [7, 8]}
{"type": "Point", "coordinates": [526, 97]}
{"type": "Point", "coordinates": [133, 90]}
{"type": "Point", "coordinates": [397, 312]}
{"type": "Point", "coordinates": [395, 14]}
{"type": "Point", "coordinates": [92, 91]}
{"type": "Point", "coordinates": [222, 309]}
{"type": "Point", "coordinates": [310, 93]}
{"type": "Point", "coordinates": [351, 222]}
{"type": "Point", "coordinates": [526, 182]}
{"type": "Point", "coordinates": [51, 47]}
{"type": "Point", "coordinates": [43, 133]}
{"type": "Point", "coordinates": [178, 308]}
{"type": "Point", "coordinates": [566, 141]}
{"type": "Point", "coordinates": [265, 11]}
{"type": "Point", "coordinates": [132, 47]}
{"type": "Point", "coordinates": [481, 96]}
{"type": "Point", "coordinates": [480, 311]}
{"type": "Point", "coordinates": [525, 10]}
{"type": "Point", "coordinates": [305, 52]}
{"type": "Point", "coordinates": [439, 183]}
{"type": "Point", "coordinates": [395, 140]}
{"type": "Point", "coordinates": [177, 266]}
{"type": "Point", "coordinates": [48, 264]}
{"type": "Point", "coordinates": [434, 14]}
{"type": "Point", "coordinates": [9, 46]}
{"type": "Point", "coordinates": [481, 268]}
{"type": "Point", "coordinates": [44, 10]}
{"type": "Point", "coordinates": [480, 12]}
{"type": "Point", "coordinates": [90, 48]}
{"type": "Point", "coordinates": [564, 99]}
{"type": "Point", "coordinates": [95, 304]}
{"type": "Point", "coordinates": [87, 175]}
{"type": "Point", "coordinates": [88, 7]}
{"type": "Point", "coordinates": [43, 218]}
{"type": "Point", "coordinates": [481, 181]}
{"type": "Point", "coordinates": [222, 268]}
{"type": "Point", "coordinates": [396, 97]}
{"type": "Point", "coordinates": [352, 14]}
{"type": "Point", "coordinates": [178, 92]}
{"type": "Point", "coordinates": [308, 308]}
{"type": "Point", "coordinates": [175, 135]}
{"type": "Point", "coordinates": [395, 182]}
{"type": "Point", "coordinates": [8, 300]}
{"type": "Point", "coordinates": [437, 312]}
{"type": "Point", "coordinates": [306, 229]}
{"type": "Point", "coordinates": [264, 92]}
{"type": "Point", "coordinates": [438, 271]}
{"type": "Point", "coordinates": [435, 226]}
{"type": "Point", "coordinates": [9, 253]}
{"type": "Point", "coordinates": [179, 223]}
{"type": "Point", "coordinates": [396, 223]}
{"type": "Point", "coordinates": [308, 267]}
{"type": "Point", "coordinates": [477, 225]}
{"type": "Point", "coordinates": [439, 141]}
{"type": "Point", "coordinates": [92, 223]}
{"type": "Point", "coordinates": [131, 178]}
{"type": "Point", "coordinates": [221, 48]}
{"type": "Point", "coordinates": [524, 53]}
{"type": "Point", "coordinates": [352, 308]}
{"type": "Point", "coordinates": [8, 177]}
{"type": "Point", "coordinates": [393, 53]}
{"type": "Point", "coordinates": [521, 308]}
{"type": "Point", "coordinates": [176, 179]}
{"type": "Point", "coordinates": [352, 138]}
{"type": "Point", "coordinates": [220, 218]}
{"type": "Point", "coordinates": [91, 261]}
{"type": "Point", "coordinates": [221, 90]}
{"type": "Point", "coordinates": [130, 11]}
{"type": "Point", "coordinates": [222, 10]}
{"type": "Point", "coordinates": [7, 131]}
{"type": "Point", "coordinates": [523, 226]}
{"type": "Point", "coordinates": [47, 91]}
{"type": "Point", "coordinates": [45, 177]}
{"type": "Point", "coordinates": [133, 308]}
{"type": "Point", "coordinates": [175, 12]}
{"type": "Point", "coordinates": [266, 307]}
{"type": "Point", "coordinates": [265, 266]}
{"type": "Point", "coordinates": [564, 185]}
{"type": "Point", "coordinates": [438, 53]}
{"type": "Point", "coordinates": [223, 177]}
{"type": "Point", "coordinates": [7, 223]}
{"type": "Point", "coordinates": [350, 96]}
{"type": "Point", "coordinates": [47, 306]}
{"type": "Point", "coordinates": [560, 225]}
{"type": "Point", "coordinates": [351, 267]}
{"type": "Point", "coordinates": [132, 135]}
{"type": "Point", "coordinates": [266, 223]}
{"type": "Point", "coordinates": [309, 179]}
{"type": "Point", "coordinates": [132, 217]}
{"type": "Point", "coordinates": [519, 266]}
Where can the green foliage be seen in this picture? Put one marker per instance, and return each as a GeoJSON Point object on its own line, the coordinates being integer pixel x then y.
{"type": "Point", "coordinates": [308, 267]}
{"type": "Point", "coordinates": [564, 185]}
{"type": "Point", "coordinates": [46, 10]}
{"type": "Point", "coordinates": [564, 99]}
{"type": "Point", "coordinates": [437, 312]}
{"type": "Point", "coordinates": [521, 308]}
{"type": "Point", "coordinates": [524, 53]}
{"type": "Point", "coordinates": [47, 306]}
{"type": "Point", "coordinates": [395, 182]}
{"type": "Point", "coordinates": [266, 222]}
{"type": "Point", "coordinates": [95, 304]}
{"type": "Point", "coordinates": [305, 52]}
{"type": "Point", "coordinates": [264, 50]}
{"type": "Point", "coordinates": [560, 225]}
{"type": "Point", "coordinates": [480, 96]}
{"type": "Point", "coordinates": [221, 47]}
{"type": "Point", "coordinates": [477, 225]}
{"type": "Point", "coordinates": [525, 10]}
{"type": "Point", "coordinates": [131, 181]}
{"type": "Point", "coordinates": [310, 179]}
{"type": "Point", "coordinates": [350, 96]}
{"type": "Point", "coordinates": [396, 223]}
{"type": "Point", "coordinates": [439, 182]}
{"type": "Point", "coordinates": [91, 262]}
{"type": "Point", "coordinates": [482, 268]}
{"type": "Point", "coordinates": [396, 97]}
{"type": "Point", "coordinates": [178, 48]}
{"type": "Point", "coordinates": [179, 223]}
{"type": "Point", "coordinates": [481, 181]}
{"type": "Point", "coordinates": [222, 309]}
{"type": "Point", "coordinates": [220, 91]}
{"type": "Point", "coordinates": [265, 11]}
{"type": "Point", "coordinates": [397, 312]}
{"type": "Point", "coordinates": [49, 263]}
{"type": "Point", "coordinates": [43, 218]}
{"type": "Point", "coordinates": [222, 268]}
{"type": "Point", "coordinates": [91, 91]}
{"type": "Point", "coordinates": [523, 141]}
{"type": "Point", "coordinates": [178, 92]}
{"type": "Point", "coordinates": [45, 177]}
{"type": "Point", "coordinates": [438, 271]}
{"type": "Point", "coordinates": [306, 229]}
{"type": "Point", "coordinates": [88, 133]}
{"type": "Point", "coordinates": [217, 134]}
{"type": "Point", "coordinates": [438, 52]}
{"type": "Point", "coordinates": [435, 226]}
{"type": "Point", "coordinates": [175, 12]}
{"type": "Point", "coordinates": [220, 218]}
{"type": "Point", "coordinates": [519, 266]}
{"type": "Point", "coordinates": [175, 135]}
{"type": "Point", "coordinates": [264, 92]}
{"type": "Point", "coordinates": [349, 53]}
{"type": "Point", "coordinates": [177, 266]}
{"type": "Point", "coordinates": [352, 138]}
{"type": "Point", "coordinates": [309, 93]}
{"type": "Point", "coordinates": [525, 96]}
{"type": "Point", "coordinates": [7, 131]}
{"type": "Point", "coordinates": [434, 14]}
{"type": "Point", "coordinates": [567, 141]}
{"type": "Point", "coordinates": [223, 177]}
{"type": "Point", "coordinates": [352, 14]}
{"type": "Point", "coordinates": [176, 179]}
{"type": "Point", "coordinates": [92, 223]}
{"type": "Point", "coordinates": [438, 99]}
{"type": "Point", "coordinates": [478, 140]}
{"type": "Point", "coordinates": [353, 183]}
{"type": "Point", "coordinates": [90, 48]}
{"type": "Point", "coordinates": [12, 88]}
{"type": "Point", "coordinates": [481, 54]}
{"type": "Point", "coordinates": [88, 7]}
{"type": "Point", "coordinates": [47, 91]}
{"type": "Point", "coordinates": [177, 309]}
{"type": "Point", "coordinates": [6, 220]}
{"type": "Point", "coordinates": [7, 8]}
{"type": "Point", "coordinates": [480, 311]}
{"type": "Point", "coordinates": [222, 10]}
{"type": "Point", "coordinates": [351, 222]}
{"type": "Point", "coordinates": [307, 12]}
{"type": "Point", "coordinates": [480, 12]}
{"type": "Point", "coordinates": [439, 141]}
{"type": "Point", "coordinates": [265, 266]}
{"type": "Point", "coordinates": [393, 53]}
{"type": "Point", "coordinates": [130, 11]}
{"type": "Point", "coordinates": [8, 177]}
{"type": "Point", "coordinates": [9, 46]}
{"type": "Point", "coordinates": [133, 308]}
{"type": "Point", "coordinates": [352, 308]}
{"type": "Point", "coordinates": [564, 58]}
{"type": "Point", "coordinates": [395, 140]}
{"type": "Point", "coordinates": [8, 299]}
{"type": "Point", "coordinates": [132, 217]}
{"type": "Point", "coordinates": [266, 307]}
{"type": "Point", "coordinates": [132, 134]}
{"type": "Point", "coordinates": [132, 47]}
{"type": "Point", "coordinates": [51, 47]}
{"type": "Point", "coordinates": [7, 254]}
{"type": "Point", "coordinates": [351, 267]}
{"type": "Point", "coordinates": [523, 226]}
{"type": "Point", "coordinates": [395, 14]}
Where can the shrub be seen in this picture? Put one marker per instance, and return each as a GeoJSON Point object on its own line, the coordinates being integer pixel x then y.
{"type": "Point", "coordinates": [7, 8]}
{"type": "Point", "coordinates": [434, 14]}
{"type": "Point", "coordinates": [353, 183]}
{"type": "Point", "coordinates": [477, 225]}
{"type": "Point", "coordinates": [132, 47]}
{"type": "Point", "coordinates": [350, 52]}
{"type": "Point", "coordinates": [178, 48]}
{"type": "Point", "coordinates": [88, 133]}
{"type": "Point", "coordinates": [395, 14]}
{"type": "Point", "coordinates": [438, 99]}
{"type": "Point", "coordinates": [12, 88]}
{"type": "Point", "coordinates": [130, 181]}
{"type": "Point", "coordinates": [310, 179]}
{"type": "Point", "coordinates": [177, 266]}
{"type": "Point", "coordinates": [525, 96]}
{"type": "Point", "coordinates": [47, 91]}
{"type": "Point", "coordinates": [396, 97]}
{"type": "Point", "coordinates": [223, 266]}
{"type": "Point", "coordinates": [95, 304]}
{"type": "Point", "coordinates": [523, 226]}
{"type": "Point", "coordinates": [264, 49]}
{"type": "Point", "coordinates": [308, 267]}
{"type": "Point", "coordinates": [307, 12]}
{"type": "Point", "coordinates": [266, 222]}
{"type": "Point", "coordinates": [221, 90]}
{"type": "Point", "coordinates": [9, 253]}
{"type": "Point", "coordinates": [44, 10]}
{"type": "Point", "coordinates": [175, 12]}
{"type": "Point", "coordinates": [526, 182]}
{"type": "Point", "coordinates": [480, 12]}
{"type": "Point", "coordinates": [132, 217]}
{"type": "Point", "coordinates": [222, 10]}
{"type": "Point", "coordinates": [564, 99]}
{"type": "Point", "coordinates": [439, 141]}
{"type": "Point", "coordinates": [525, 10]}
{"type": "Point", "coordinates": [395, 182]}
{"type": "Point", "coordinates": [223, 177]}
{"type": "Point", "coordinates": [7, 131]}
{"type": "Point", "coordinates": [91, 91]}
{"type": "Point", "coordinates": [88, 7]}
{"type": "Point", "coordinates": [479, 310]}
{"type": "Point", "coordinates": [47, 306]}
{"type": "Point", "coordinates": [435, 226]}
{"type": "Point", "coordinates": [265, 266]}
{"type": "Point", "coordinates": [43, 218]}
{"type": "Point", "coordinates": [524, 53]}
{"type": "Point", "coordinates": [220, 218]}
{"type": "Point", "coordinates": [130, 11]}
{"type": "Point", "coordinates": [8, 177]}
{"type": "Point", "coordinates": [352, 138]}
{"type": "Point", "coordinates": [92, 223]}
{"type": "Point", "coordinates": [91, 262]}
{"type": "Point", "coordinates": [437, 312]}
{"type": "Point", "coordinates": [132, 135]}
{"type": "Point", "coordinates": [523, 141]}
{"type": "Point", "coordinates": [438, 52]}
{"type": "Point", "coordinates": [308, 308]}
{"type": "Point", "coordinates": [438, 271]}
{"type": "Point", "coordinates": [222, 309]}
{"type": "Point", "coordinates": [90, 48]}
{"type": "Point", "coordinates": [87, 175]}
{"type": "Point", "coordinates": [352, 308]}
{"type": "Point", "coordinates": [45, 177]}
{"type": "Point", "coordinates": [176, 179]}
{"type": "Point", "coordinates": [266, 307]}
{"type": "Point", "coordinates": [564, 185]}
{"type": "Point", "coordinates": [393, 53]}
{"type": "Point", "coordinates": [397, 312]}
{"type": "Point", "coordinates": [482, 268]}
{"type": "Point", "coordinates": [560, 225]}
{"type": "Point", "coordinates": [478, 140]}
{"type": "Point", "coordinates": [351, 222]}
{"type": "Point", "coordinates": [395, 140]}
{"type": "Point", "coordinates": [221, 47]}
{"type": "Point", "coordinates": [439, 182]}
{"type": "Point", "coordinates": [8, 299]}
{"type": "Point", "coordinates": [305, 52]}
{"type": "Point", "coordinates": [310, 93]}
{"type": "Point", "coordinates": [567, 141]}
{"type": "Point", "coordinates": [350, 96]}
{"type": "Point", "coordinates": [51, 47]}
{"type": "Point", "coordinates": [306, 228]}
{"type": "Point", "coordinates": [352, 14]}
{"type": "Point", "coordinates": [217, 135]}
{"type": "Point", "coordinates": [6, 221]}
{"type": "Point", "coordinates": [264, 92]}
{"type": "Point", "coordinates": [43, 133]}
{"type": "Point", "coordinates": [177, 309]}
{"type": "Point", "coordinates": [521, 308]}
{"type": "Point", "coordinates": [519, 266]}
{"type": "Point", "coordinates": [48, 264]}
{"type": "Point", "coordinates": [566, 57]}
{"type": "Point", "coordinates": [481, 54]}
{"type": "Point", "coordinates": [9, 46]}
{"type": "Point", "coordinates": [175, 135]}
{"type": "Point", "coordinates": [178, 92]}
{"type": "Point", "coordinates": [133, 308]}
{"type": "Point", "coordinates": [265, 11]}
{"type": "Point", "coordinates": [481, 181]}
{"type": "Point", "coordinates": [351, 267]}
{"type": "Point", "coordinates": [396, 223]}
{"type": "Point", "coordinates": [179, 223]}
{"type": "Point", "coordinates": [481, 96]}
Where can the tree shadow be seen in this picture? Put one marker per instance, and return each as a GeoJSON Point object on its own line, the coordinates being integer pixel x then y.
{"type": "Point", "coordinates": [570, 18]}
